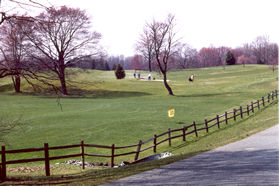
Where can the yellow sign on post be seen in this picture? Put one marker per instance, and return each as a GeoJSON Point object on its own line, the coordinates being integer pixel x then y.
{"type": "Point", "coordinates": [171, 113]}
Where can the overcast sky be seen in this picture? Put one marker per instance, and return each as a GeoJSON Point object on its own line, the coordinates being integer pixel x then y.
{"type": "Point", "coordinates": [200, 23]}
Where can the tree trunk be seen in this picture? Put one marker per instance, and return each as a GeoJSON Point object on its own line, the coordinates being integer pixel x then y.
{"type": "Point", "coordinates": [16, 82]}
{"type": "Point", "coordinates": [149, 65]}
{"type": "Point", "coordinates": [167, 85]}
{"type": "Point", "coordinates": [63, 81]}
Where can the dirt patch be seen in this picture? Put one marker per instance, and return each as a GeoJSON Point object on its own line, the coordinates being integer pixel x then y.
{"type": "Point", "coordinates": [160, 80]}
{"type": "Point", "coordinates": [28, 169]}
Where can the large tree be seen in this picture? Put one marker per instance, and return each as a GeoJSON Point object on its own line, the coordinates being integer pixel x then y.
{"type": "Point", "coordinates": [61, 37]}
{"type": "Point", "coordinates": [13, 50]}
{"type": "Point", "coordinates": [162, 35]}
{"type": "Point", "coordinates": [7, 14]}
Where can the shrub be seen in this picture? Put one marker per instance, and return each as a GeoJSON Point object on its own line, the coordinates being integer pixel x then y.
{"type": "Point", "coordinates": [119, 72]}
{"type": "Point", "coordinates": [230, 59]}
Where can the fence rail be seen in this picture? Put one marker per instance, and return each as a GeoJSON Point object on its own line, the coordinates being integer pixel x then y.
{"type": "Point", "coordinates": [185, 130]}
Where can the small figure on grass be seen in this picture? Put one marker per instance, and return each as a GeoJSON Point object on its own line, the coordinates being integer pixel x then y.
{"type": "Point", "coordinates": [135, 76]}
{"type": "Point", "coordinates": [149, 76]}
{"type": "Point", "coordinates": [191, 78]}
{"type": "Point", "coordinates": [139, 75]}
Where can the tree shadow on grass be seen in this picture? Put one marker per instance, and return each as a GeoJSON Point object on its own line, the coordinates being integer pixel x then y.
{"type": "Point", "coordinates": [89, 94]}
{"type": "Point", "coordinates": [74, 92]}
{"type": "Point", "coordinates": [6, 87]}
{"type": "Point", "coordinates": [104, 94]}
{"type": "Point", "coordinates": [211, 94]}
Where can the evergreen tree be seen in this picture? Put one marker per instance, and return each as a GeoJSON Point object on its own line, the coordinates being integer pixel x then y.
{"type": "Point", "coordinates": [230, 59]}
{"type": "Point", "coordinates": [119, 72]}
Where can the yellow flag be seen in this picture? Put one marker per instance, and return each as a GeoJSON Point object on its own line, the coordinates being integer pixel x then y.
{"type": "Point", "coordinates": [171, 113]}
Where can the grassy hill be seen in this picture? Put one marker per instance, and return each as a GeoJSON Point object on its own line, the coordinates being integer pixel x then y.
{"type": "Point", "coordinates": [103, 110]}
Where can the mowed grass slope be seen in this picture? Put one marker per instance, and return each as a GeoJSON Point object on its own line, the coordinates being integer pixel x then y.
{"type": "Point", "coordinates": [103, 110]}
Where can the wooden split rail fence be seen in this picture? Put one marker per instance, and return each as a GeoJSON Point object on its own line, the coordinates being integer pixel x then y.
{"type": "Point", "coordinates": [195, 128]}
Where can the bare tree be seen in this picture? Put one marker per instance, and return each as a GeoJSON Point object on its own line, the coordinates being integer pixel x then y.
{"type": "Point", "coordinates": [14, 55]}
{"type": "Point", "coordinates": [221, 53]}
{"type": "Point", "coordinates": [186, 56]}
{"type": "Point", "coordinates": [162, 35]}
{"type": "Point", "coordinates": [145, 48]}
{"type": "Point", "coordinates": [7, 7]}
{"type": "Point", "coordinates": [61, 37]}
{"type": "Point", "coordinates": [261, 49]}
{"type": "Point", "coordinates": [13, 50]}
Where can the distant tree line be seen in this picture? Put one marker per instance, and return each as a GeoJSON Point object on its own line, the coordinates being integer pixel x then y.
{"type": "Point", "coordinates": [260, 51]}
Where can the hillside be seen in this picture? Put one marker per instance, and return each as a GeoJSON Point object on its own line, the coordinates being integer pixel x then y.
{"type": "Point", "coordinates": [103, 110]}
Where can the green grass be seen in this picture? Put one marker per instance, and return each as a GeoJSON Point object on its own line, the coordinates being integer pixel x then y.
{"type": "Point", "coordinates": [259, 121]}
{"type": "Point", "coordinates": [103, 110]}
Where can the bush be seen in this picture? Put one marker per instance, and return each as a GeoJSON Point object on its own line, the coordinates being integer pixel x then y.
{"type": "Point", "coordinates": [119, 72]}
{"type": "Point", "coordinates": [230, 59]}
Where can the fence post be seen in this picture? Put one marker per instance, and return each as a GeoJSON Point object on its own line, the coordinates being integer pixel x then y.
{"type": "Point", "coordinates": [252, 104]}
{"type": "Point", "coordinates": [272, 95]}
{"type": "Point", "coordinates": [226, 117]}
{"type": "Point", "coordinates": [169, 134]}
{"type": "Point", "coordinates": [276, 93]}
{"type": "Point", "coordinates": [112, 156]}
{"type": "Point", "coordinates": [82, 154]}
{"type": "Point", "coordinates": [155, 143]}
{"type": "Point", "coordinates": [3, 171]}
{"type": "Point", "coordinates": [241, 112]}
{"type": "Point", "coordinates": [195, 127]}
{"type": "Point", "coordinates": [268, 96]}
{"type": "Point", "coordinates": [258, 102]}
{"type": "Point", "coordinates": [217, 119]}
{"type": "Point", "coordinates": [263, 100]}
{"type": "Point", "coordinates": [138, 150]}
{"type": "Point", "coordinates": [234, 115]}
{"type": "Point", "coordinates": [206, 126]}
{"type": "Point", "coordinates": [248, 110]}
{"type": "Point", "coordinates": [184, 131]}
{"type": "Point", "coordinates": [47, 168]}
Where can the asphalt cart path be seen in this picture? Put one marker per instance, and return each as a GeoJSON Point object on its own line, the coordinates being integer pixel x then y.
{"type": "Point", "coordinates": [251, 161]}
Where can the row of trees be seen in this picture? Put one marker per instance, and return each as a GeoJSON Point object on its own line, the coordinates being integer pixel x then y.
{"type": "Point", "coordinates": [260, 51]}
{"type": "Point", "coordinates": [188, 57]}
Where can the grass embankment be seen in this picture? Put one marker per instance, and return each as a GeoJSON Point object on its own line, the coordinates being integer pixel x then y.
{"type": "Point", "coordinates": [102, 110]}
